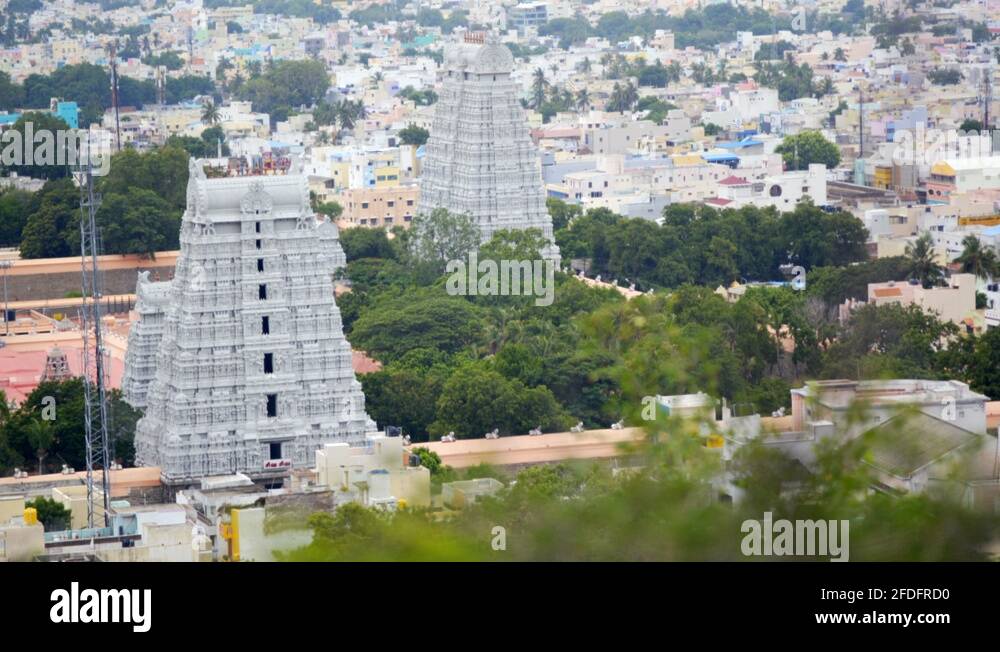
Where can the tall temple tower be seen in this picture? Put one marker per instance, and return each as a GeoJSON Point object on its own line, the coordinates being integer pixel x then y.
{"type": "Point", "coordinates": [480, 159]}
{"type": "Point", "coordinates": [252, 371]}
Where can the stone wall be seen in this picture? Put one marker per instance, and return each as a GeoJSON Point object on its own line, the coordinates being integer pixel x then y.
{"type": "Point", "coordinates": [32, 287]}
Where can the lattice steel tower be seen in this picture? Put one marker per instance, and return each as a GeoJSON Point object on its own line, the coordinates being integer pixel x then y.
{"type": "Point", "coordinates": [95, 377]}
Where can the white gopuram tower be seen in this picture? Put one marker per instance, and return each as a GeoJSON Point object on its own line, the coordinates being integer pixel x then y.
{"type": "Point", "coordinates": [152, 299]}
{"type": "Point", "coordinates": [253, 373]}
{"type": "Point", "coordinates": [480, 160]}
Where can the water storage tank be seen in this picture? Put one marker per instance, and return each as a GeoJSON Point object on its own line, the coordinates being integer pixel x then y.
{"type": "Point", "coordinates": [30, 516]}
{"type": "Point", "coordinates": [379, 486]}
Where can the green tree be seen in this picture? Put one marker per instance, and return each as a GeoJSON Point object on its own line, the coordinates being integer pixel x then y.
{"type": "Point", "coordinates": [55, 214]}
{"type": "Point", "coordinates": [805, 148]}
{"type": "Point", "coordinates": [977, 260]}
{"type": "Point", "coordinates": [47, 152]}
{"type": "Point", "coordinates": [413, 135]}
{"type": "Point", "coordinates": [138, 222]}
{"type": "Point", "coordinates": [475, 400]}
{"type": "Point", "coordinates": [210, 113]}
{"type": "Point", "coordinates": [52, 514]}
{"type": "Point", "coordinates": [366, 243]}
{"type": "Point", "coordinates": [440, 236]}
{"type": "Point", "coordinates": [539, 88]}
{"type": "Point", "coordinates": [14, 206]}
{"type": "Point", "coordinates": [41, 436]}
{"type": "Point", "coordinates": [923, 261]}
{"type": "Point", "coordinates": [426, 318]}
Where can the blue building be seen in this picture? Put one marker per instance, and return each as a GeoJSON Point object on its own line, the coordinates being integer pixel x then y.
{"type": "Point", "coordinates": [69, 112]}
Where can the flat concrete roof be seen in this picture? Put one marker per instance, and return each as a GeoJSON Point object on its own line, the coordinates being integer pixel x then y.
{"type": "Point", "coordinates": [121, 481]}
{"type": "Point", "coordinates": [535, 449]}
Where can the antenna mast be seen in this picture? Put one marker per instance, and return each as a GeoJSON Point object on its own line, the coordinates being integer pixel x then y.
{"type": "Point", "coordinates": [113, 58]}
{"type": "Point", "coordinates": [95, 413]}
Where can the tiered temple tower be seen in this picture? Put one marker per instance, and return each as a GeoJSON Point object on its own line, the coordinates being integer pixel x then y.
{"type": "Point", "coordinates": [144, 338]}
{"type": "Point", "coordinates": [480, 159]}
{"type": "Point", "coordinates": [253, 373]}
{"type": "Point", "coordinates": [56, 365]}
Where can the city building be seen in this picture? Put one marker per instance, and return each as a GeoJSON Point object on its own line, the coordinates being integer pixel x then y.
{"type": "Point", "coordinates": [382, 207]}
{"type": "Point", "coordinates": [526, 15]}
{"type": "Point", "coordinates": [923, 435]}
{"type": "Point", "coordinates": [955, 302]}
{"type": "Point", "coordinates": [376, 474]}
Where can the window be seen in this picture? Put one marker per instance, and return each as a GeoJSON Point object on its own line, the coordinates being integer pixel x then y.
{"type": "Point", "coordinates": [265, 325]}
{"type": "Point", "coordinates": [262, 291]}
{"type": "Point", "coordinates": [258, 244]}
{"type": "Point", "coordinates": [272, 405]}
{"type": "Point", "coordinates": [269, 363]}
{"type": "Point", "coordinates": [274, 451]}
{"type": "Point", "coordinates": [257, 227]}
{"type": "Point", "coordinates": [260, 264]}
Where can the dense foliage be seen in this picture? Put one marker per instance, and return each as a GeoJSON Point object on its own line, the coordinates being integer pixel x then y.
{"type": "Point", "coordinates": [31, 439]}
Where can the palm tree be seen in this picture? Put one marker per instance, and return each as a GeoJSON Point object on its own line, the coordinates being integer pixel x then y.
{"type": "Point", "coordinates": [630, 95]}
{"type": "Point", "coordinates": [977, 260]}
{"type": "Point", "coordinates": [41, 435]}
{"type": "Point", "coordinates": [674, 71]}
{"type": "Point", "coordinates": [583, 99]}
{"type": "Point", "coordinates": [538, 87]}
{"type": "Point", "coordinates": [615, 102]}
{"type": "Point", "coordinates": [360, 111]}
{"type": "Point", "coordinates": [345, 114]}
{"type": "Point", "coordinates": [584, 66]}
{"type": "Point", "coordinates": [210, 113]}
{"type": "Point", "coordinates": [922, 261]}
{"type": "Point", "coordinates": [565, 97]}
{"type": "Point", "coordinates": [349, 112]}
{"type": "Point", "coordinates": [377, 79]}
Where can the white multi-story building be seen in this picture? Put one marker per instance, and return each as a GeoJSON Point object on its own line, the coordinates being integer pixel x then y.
{"type": "Point", "coordinates": [253, 373]}
{"type": "Point", "coordinates": [480, 159]}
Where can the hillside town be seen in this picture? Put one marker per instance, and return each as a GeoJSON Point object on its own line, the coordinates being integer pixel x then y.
{"type": "Point", "coordinates": [738, 234]}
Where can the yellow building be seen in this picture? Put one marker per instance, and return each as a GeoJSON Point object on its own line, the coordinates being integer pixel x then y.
{"type": "Point", "coordinates": [883, 177]}
{"type": "Point", "coordinates": [386, 176]}
{"type": "Point", "coordinates": [11, 507]}
{"type": "Point", "coordinates": [74, 499]}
